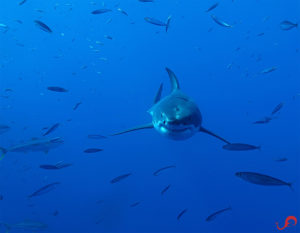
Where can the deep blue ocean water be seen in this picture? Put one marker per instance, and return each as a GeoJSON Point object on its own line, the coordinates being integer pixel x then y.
{"type": "Point", "coordinates": [116, 81]}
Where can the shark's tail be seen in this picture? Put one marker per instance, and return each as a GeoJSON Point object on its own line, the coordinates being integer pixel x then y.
{"type": "Point", "coordinates": [2, 153]}
{"type": "Point", "coordinates": [168, 23]}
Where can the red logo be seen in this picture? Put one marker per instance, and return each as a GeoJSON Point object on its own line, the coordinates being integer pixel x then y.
{"type": "Point", "coordinates": [287, 223]}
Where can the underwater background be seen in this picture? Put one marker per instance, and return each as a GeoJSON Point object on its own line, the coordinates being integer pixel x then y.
{"type": "Point", "coordinates": [113, 63]}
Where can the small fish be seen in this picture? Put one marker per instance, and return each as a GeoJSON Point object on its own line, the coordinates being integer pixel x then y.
{"type": "Point", "coordinates": [19, 21]}
{"type": "Point", "coordinates": [181, 213]}
{"type": "Point", "coordinates": [3, 28]}
{"type": "Point", "coordinates": [108, 21]}
{"type": "Point", "coordinates": [57, 89]}
{"type": "Point", "coordinates": [158, 22]}
{"type": "Point", "coordinates": [268, 70]}
{"type": "Point", "coordinates": [119, 178]}
{"type": "Point", "coordinates": [281, 159]}
{"type": "Point", "coordinates": [48, 167]}
{"type": "Point", "coordinates": [100, 11]}
{"type": "Point", "coordinates": [287, 25]}
{"type": "Point", "coordinates": [77, 105]}
{"type": "Point", "coordinates": [52, 128]}
{"type": "Point", "coordinates": [212, 7]}
{"type": "Point", "coordinates": [42, 26]}
{"type": "Point", "coordinates": [214, 215]}
{"type": "Point", "coordinates": [45, 189]}
{"type": "Point", "coordinates": [240, 147]}
{"type": "Point", "coordinates": [220, 22]}
{"type": "Point", "coordinates": [1, 197]}
{"type": "Point", "coordinates": [146, 0]}
{"type": "Point", "coordinates": [96, 136]}
{"type": "Point", "coordinates": [122, 11]}
{"type": "Point", "coordinates": [135, 204]}
{"type": "Point", "coordinates": [22, 2]}
{"type": "Point", "coordinates": [165, 189]}
{"type": "Point", "coordinates": [61, 165]}
{"type": "Point", "coordinates": [92, 150]}
{"type": "Point", "coordinates": [277, 108]}
{"type": "Point", "coordinates": [260, 179]}
{"type": "Point", "coordinates": [39, 10]}
{"type": "Point", "coordinates": [263, 121]}
{"type": "Point", "coordinates": [108, 37]}
{"type": "Point", "coordinates": [55, 213]}
{"type": "Point", "coordinates": [4, 129]}
{"type": "Point", "coordinates": [260, 34]}
{"type": "Point", "coordinates": [55, 167]}
{"type": "Point", "coordinates": [156, 173]}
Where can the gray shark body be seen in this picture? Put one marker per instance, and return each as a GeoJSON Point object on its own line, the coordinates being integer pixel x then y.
{"type": "Point", "coordinates": [35, 144]}
{"type": "Point", "coordinates": [176, 116]}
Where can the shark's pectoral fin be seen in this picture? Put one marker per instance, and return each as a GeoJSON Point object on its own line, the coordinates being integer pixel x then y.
{"type": "Point", "coordinates": [212, 134]}
{"type": "Point", "coordinates": [173, 79]}
{"type": "Point", "coordinates": [158, 94]}
{"type": "Point", "coordinates": [147, 126]}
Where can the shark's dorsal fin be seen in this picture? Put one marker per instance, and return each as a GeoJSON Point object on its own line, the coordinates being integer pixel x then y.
{"type": "Point", "coordinates": [158, 94]}
{"type": "Point", "coordinates": [147, 126]}
{"type": "Point", "coordinates": [173, 79]}
{"type": "Point", "coordinates": [212, 134]}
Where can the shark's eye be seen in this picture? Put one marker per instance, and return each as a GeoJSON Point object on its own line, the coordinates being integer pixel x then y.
{"type": "Point", "coordinates": [177, 109]}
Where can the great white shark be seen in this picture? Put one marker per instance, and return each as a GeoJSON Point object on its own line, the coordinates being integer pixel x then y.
{"type": "Point", "coordinates": [176, 116]}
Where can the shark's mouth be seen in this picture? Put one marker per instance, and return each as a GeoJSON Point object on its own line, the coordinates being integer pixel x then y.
{"type": "Point", "coordinates": [175, 129]}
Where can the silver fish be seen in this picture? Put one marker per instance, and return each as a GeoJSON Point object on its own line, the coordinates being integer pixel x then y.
{"type": "Point", "coordinates": [135, 204]}
{"type": "Point", "coordinates": [268, 70]}
{"type": "Point", "coordinates": [260, 179]}
{"type": "Point", "coordinates": [54, 127]}
{"type": "Point", "coordinates": [119, 178]}
{"type": "Point", "coordinates": [165, 189]}
{"type": "Point", "coordinates": [100, 11]}
{"type": "Point", "coordinates": [96, 136]}
{"type": "Point", "coordinates": [212, 7]}
{"type": "Point", "coordinates": [240, 147]}
{"type": "Point", "coordinates": [181, 213]}
{"type": "Point", "coordinates": [214, 215]}
{"type": "Point", "coordinates": [220, 22]}
{"type": "Point", "coordinates": [4, 129]}
{"type": "Point", "coordinates": [287, 25]}
{"type": "Point", "coordinates": [57, 89]}
{"type": "Point", "coordinates": [3, 28]}
{"type": "Point", "coordinates": [76, 105]}
{"type": "Point", "coordinates": [156, 173]}
{"type": "Point", "coordinates": [277, 108]}
{"type": "Point", "coordinates": [283, 159]}
{"type": "Point", "coordinates": [22, 2]}
{"type": "Point", "coordinates": [158, 22]}
{"type": "Point", "coordinates": [45, 189]}
{"type": "Point", "coordinates": [263, 121]}
{"type": "Point", "coordinates": [42, 26]}
{"type": "Point", "coordinates": [122, 11]}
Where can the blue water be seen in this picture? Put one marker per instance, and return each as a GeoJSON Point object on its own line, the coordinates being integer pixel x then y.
{"type": "Point", "coordinates": [220, 68]}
